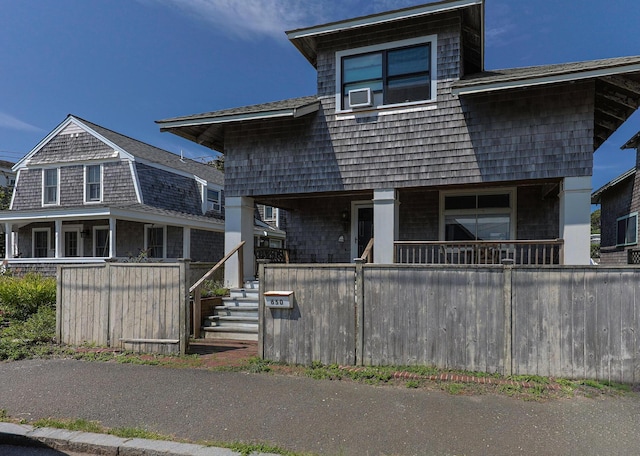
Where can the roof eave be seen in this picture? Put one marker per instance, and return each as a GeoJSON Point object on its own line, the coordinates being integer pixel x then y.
{"type": "Point", "coordinates": [595, 196]}
{"type": "Point", "coordinates": [633, 143]}
{"type": "Point", "coordinates": [544, 80]}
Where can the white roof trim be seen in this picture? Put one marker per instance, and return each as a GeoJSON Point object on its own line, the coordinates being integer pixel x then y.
{"type": "Point", "coordinates": [381, 18]}
{"type": "Point", "coordinates": [535, 81]}
{"type": "Point", "coordinates": [291, 112]}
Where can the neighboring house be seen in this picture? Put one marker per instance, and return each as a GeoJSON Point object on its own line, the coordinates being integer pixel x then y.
{"type": "Point", "coordinates": [411, 141]}
{"type": "Point", "coordinates": [86, 193]}
{"type": "Point", "coordinates": [7, 181]}
{"type": "Point", "coordinates": [619, 202]}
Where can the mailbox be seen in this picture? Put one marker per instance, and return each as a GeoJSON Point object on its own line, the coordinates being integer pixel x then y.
{"type": "Point", "coordinates": [278, 299]}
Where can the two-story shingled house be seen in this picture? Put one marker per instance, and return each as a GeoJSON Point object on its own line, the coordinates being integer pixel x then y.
{"type": "Point", "coordinates": [410, 141]}
{"type": "Point", "coordinates": [86, 193]}
{"type": "Point", "coordinates": [620, 204]}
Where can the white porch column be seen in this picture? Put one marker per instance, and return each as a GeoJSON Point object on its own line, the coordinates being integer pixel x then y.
{"type": "Point", "coordinates": [58, 239]}
{"type": "Point", "coordinates": [238, 227]}
{"type": "Point", "coordinates": [575, 219]}
{"type": "Point", "coordinates": [112, 237]}
{"type": "Point", "coordinates": [186, 242]}
{"type": "Point", "coordinates": [385, 225]}
{"type": "Point", "coordinates": [8, 236]}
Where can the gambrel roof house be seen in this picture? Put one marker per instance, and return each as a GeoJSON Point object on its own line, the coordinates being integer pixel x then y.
{"type": "Point", "coordinates": [87, 193]}
{"type": "Point", "coordinates": [619, 202]}
{"type": "Point", "coordinates": [411, 142]}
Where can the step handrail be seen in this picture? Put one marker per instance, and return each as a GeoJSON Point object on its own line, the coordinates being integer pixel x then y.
{"type": "Point", "coordinates": [367, 254]}
{"type": "Point", "coordinates": [195, 288]}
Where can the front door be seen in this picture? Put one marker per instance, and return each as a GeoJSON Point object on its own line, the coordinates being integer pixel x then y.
{"type": "Point", "coordinates": [362, 227]}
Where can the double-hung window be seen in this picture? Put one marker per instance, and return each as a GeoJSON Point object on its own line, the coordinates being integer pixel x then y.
{"type": "Point", "coordinates": [50, 178]}
{"type": "Point", "coordinates": [627, 229]}
{"type": "Point", "coordinates": [271, 214]}
{"type": "Point", "coordinates": [394, 74]}
{"type": "Point", "coordinates": [486, 216]}
{"type": "Point", "coordinates": [101, 241]}
{"type": "Point", "coordinates": [40, 242]}
{"type": "Point", "coordinates": [213, 200]}
{"type": "Point", "coordinates": [93, 183]}
{"type": "Point", "coordinates": [154, 241]}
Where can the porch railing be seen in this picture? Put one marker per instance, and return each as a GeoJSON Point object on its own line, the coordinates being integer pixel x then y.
{"type": "Point", "coordinates": [526, 252]}
{"type": "Point", "coordinates": [367, 254]}
{"type": "Point", "coordinates": [196, 287]}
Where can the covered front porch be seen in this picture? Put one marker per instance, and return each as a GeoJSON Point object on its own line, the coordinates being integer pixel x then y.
{"type": "Point", "coordinates": [537, 222]}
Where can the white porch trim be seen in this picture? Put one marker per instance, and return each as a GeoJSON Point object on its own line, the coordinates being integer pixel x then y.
{"type": "Point", "coordinates": [575, 219]}
{"type": "Point", "coordinates": [239, 220]}
{"type": "Point", "coordinates": [385, 225]}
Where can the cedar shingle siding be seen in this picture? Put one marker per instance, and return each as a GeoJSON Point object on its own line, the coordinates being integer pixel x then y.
{"type": "Point", "coordinates": [517, 135]}
{"type": "Point", "coordinates": [171, 191]}
{"type": "Point", "coordinates": [69, 147]}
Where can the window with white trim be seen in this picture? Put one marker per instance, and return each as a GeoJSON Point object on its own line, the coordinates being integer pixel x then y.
{"type": "Point", "coordinates": [627, 229]}
{"type": "Point", "coordinates": [271, 214]}
{"type": "Point", "coordinates": [72, 240]}
{"type": "Point", "coordinates": [40, 242]}
{"type": "Point", "coordinates": [92, 183]}
{"type": "Point", "coordinates": [50, 187]}
{"type": "Point", "coordinates": [397, 73]}
{"type": "Point", "coordinates": [480, 216]}
{"type": "Point", "coordinates": [155, 237]}
{"type": "Point", "coordinates": [213, 200]}
{"type": "Point", "coordinates": [101, 241]}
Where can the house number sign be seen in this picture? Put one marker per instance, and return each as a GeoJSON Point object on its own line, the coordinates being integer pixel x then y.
{"type": "Point", "coordinates": [278, 299]}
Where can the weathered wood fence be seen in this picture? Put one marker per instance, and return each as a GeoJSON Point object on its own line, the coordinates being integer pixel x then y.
{"type": "Point", "coordinates": [136, 306]}
{"type": "Point", "coordinates": [575, 322]}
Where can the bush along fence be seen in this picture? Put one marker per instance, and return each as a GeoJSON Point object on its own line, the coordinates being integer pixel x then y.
{"type": "Point", "coordinates": [141, 307]}
{"type": "Point", "coordinates": [564, 321]}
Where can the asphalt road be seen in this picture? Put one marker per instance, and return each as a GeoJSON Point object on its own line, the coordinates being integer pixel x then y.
{"type": "Point", "coordinates": [323, 417]}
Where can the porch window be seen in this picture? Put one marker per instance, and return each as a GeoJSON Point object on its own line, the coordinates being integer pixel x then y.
{"type": "Point", "coordinates": [93, 183]}
{"type": "Point", "coordinates": [50, 178]}
{"type": "Point", "coordinates": [627, 229]}
{"type": "Point", "coordinates": [40, 242]}
{"type": "Point", "coordinates": [478, 216]}
{"type": "Point", "coordinates": [396, 73]}
{"type": "Point", "coordinates": [101, 241]}
{"type": "Point", "coordinates": [155, 241]}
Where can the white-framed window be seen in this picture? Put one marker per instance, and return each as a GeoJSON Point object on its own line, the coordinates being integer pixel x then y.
{"type": "Point", "coordinates": [213, 200]}
{"type": "Point", "coordinates": [487, 215]}
{"type": "Point", "coordinates": [392, 74]}
{"type": "Point", "coordinates": [50, 186]}
{"type": "Point", "coordinates": [271, 214]}
{"type": "Point", "coordinates": [155, 241]}
{"type": "Point", "coordinates": [40, 242]}
{"type": "Point", "coordinates": [101, 241]}
{"type": "Point", "coordinates": [72, 241]}
{"type": "Point", "coordinates": [627, 229]}
{"type": "Point", "coordinates": [92, 183]}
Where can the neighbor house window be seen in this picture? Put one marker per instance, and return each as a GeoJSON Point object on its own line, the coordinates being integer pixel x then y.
{"type": "Point", "coordinates": [397, 73]}
{"type": "Point", "coordinates": [213, 200]}
{"type": "Point", "coordinates": [40, 242]}
{"type": "Point", "coordinates": [271, 214]}
{"type": "Point", "coordinates": [71, 238]}
{"type": "Point", "coordinates": [627, 229]}
{"type": "Point", "coordinates": [155, 241]}
{"type": "Point", "coordinates": [101, 241]}
{"type": "Point", "coordinates": [486, 216]}
{"type": "Point", "coordinates": [93, 183]}
{"type": "Point", "coordinates": [50, 178]}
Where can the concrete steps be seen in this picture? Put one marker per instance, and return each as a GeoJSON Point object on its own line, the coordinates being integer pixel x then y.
{"type": "Point", "coordinates": [237, 318]}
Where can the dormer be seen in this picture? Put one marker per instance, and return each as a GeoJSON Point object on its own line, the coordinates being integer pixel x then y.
{"type": "Point", "coordinates": [395, 59]}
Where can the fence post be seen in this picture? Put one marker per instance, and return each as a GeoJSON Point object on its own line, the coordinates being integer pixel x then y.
{"type": "Point", "coordinates": [508, 317]}
{"type": "Point", "coordinates": [183, 303]}
{"type": "Point", "coordinates": [261, 285]}
{"type": "Point", "coordinates": [359, 310]}
{"type": "Point", "coordinates": [106, 282]}
{"type": "Point", "coordinates": [59, 313]}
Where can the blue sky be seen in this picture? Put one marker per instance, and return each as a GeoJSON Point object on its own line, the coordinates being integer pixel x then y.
{"type": "Point", "coordinates": [125, 63]}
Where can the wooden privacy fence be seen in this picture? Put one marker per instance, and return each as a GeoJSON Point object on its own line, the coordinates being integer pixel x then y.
{"type": "Point", "coordinates": [136, 306]}
{"type": "Point", "coordinates": [575, 322]}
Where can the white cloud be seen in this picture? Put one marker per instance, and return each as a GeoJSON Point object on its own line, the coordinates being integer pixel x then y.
{"type": "Point", "coordinates": [12, 123]}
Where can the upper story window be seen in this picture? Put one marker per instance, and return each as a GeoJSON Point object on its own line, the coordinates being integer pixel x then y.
{"type": "Point", "coordinates": [627, 229]}
{"type": "Point", "coordinates": [213, 200]}
{"type": "Point", "coordinates": [398, 73]}
{"type": "Point", "coordinates": [482, 216]}
{"type": "Point", "coordinates": [93, 183]}
{"type": "Point", "coordinates": [271, 214]}
{"type": "Point", "coordinates": [50, 187]}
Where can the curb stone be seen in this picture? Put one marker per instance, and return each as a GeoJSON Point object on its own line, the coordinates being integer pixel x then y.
{"type": "Point", "coordinates": [104, 444]}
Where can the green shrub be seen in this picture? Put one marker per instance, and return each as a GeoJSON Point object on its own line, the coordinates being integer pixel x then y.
{"type": "Point", "coordinates": [22, 297]}
{"type": "Point", "coordinates": [39, 327]}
